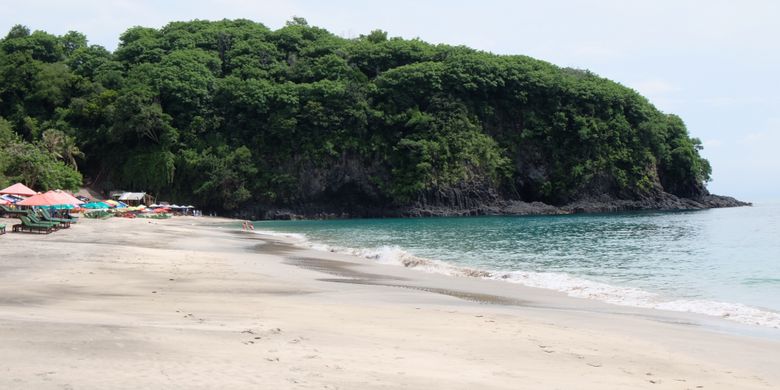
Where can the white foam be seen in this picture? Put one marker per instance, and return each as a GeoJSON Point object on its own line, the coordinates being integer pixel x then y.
{"type": "Point", "coordinates": [629, 296]}
{"type": "Point", "coordinates": [571, 285]}
{"type": "Point", "coordinates": [295, 237]}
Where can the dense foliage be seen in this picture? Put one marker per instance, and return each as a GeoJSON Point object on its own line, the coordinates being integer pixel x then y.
{"type": "Point", "coordinates": [228, 113]}
{"type": "Point", "coordinates": [35, 165]}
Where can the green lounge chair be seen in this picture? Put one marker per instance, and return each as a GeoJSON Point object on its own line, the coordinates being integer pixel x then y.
{"type": "Point", "coordinates": [68, 217]}
{"type": "Point", "coordinates": [13, 213]}
{"type": "Point", "coordinates": [98, 214]}
{"type": "Point", "coordinates": [2, 228]}
{"type": "Point", "coordinates": [46, 217]}
{"type": "Point", "coordinates": [34, 219]}
{"type": "Point", "coordinates": [30, 226]}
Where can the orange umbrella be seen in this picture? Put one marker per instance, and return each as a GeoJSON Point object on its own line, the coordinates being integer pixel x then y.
{"type": "Point", "coordinates": [50, 198]}
{"type": "Point", "coordinates": [18, 189]}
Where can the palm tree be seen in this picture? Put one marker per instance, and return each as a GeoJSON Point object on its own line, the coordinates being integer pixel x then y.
{"type": "Point", "coordinates": [61, 146]}
{"type": "Point", "coordinates": [70, 151]}
{"type": "Point", "coordinates": [52, 140]}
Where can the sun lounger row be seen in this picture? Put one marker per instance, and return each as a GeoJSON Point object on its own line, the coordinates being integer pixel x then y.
{"type": "Point", "coordinates": [30, 225]}
{"type": "Point", "coordinates": [41, 222]}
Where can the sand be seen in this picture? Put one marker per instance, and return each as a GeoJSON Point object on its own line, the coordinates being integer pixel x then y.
{"type": "Point", "coordinates": [189, 303]}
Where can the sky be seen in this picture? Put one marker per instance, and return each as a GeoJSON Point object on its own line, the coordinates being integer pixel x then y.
{"type": "Point", "coordinates": [714, 63]}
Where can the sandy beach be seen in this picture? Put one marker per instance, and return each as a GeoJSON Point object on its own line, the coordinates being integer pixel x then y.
{"type": "Point", "coordinates": [191, 303]}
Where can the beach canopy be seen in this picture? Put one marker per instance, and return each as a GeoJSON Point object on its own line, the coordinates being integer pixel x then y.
{"type": "Point", "coordinates": [51, 198]}
{"type": "Point", "coordinates": [59, 207]}
{"type": "Point", "coordinates": [139, 196]}
{"type": "Point", "coordinates": [18, 189]}
{"type": "Point", "coordinates": [95, 205]}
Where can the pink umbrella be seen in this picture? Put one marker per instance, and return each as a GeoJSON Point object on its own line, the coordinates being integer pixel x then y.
{"type": "Point", "coordinates": [50, 198]}
{"type": "Point", "coordinates": [18, 189]}
{"type": "Point", "coordinates": [68, 198]}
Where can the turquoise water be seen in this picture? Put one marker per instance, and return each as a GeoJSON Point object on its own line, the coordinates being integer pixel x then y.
{"type": "Point", "coordinates": [723, 262]}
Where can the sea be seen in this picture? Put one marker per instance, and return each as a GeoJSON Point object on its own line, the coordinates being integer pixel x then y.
{"type": "Point", "coordinates": [718, 262]}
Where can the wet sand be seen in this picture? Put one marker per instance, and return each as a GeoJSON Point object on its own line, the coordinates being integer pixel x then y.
{"type": "Point", "coordinates": [189, 303]}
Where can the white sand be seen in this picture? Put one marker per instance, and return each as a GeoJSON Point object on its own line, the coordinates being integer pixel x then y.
{"type": "Point", "coordinates": [168, 304]}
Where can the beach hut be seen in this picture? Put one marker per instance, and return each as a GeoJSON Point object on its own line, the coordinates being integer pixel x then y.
{"type": "Point", "coordinates": [18, 189]}
{"type": "Point", "coordinates": [136, 198]}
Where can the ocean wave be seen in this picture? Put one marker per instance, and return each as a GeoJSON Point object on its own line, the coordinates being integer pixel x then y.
{"type": "Point", "coordinates": [570, 285]}
{"type": "Point", "coordinates": [295, 237]}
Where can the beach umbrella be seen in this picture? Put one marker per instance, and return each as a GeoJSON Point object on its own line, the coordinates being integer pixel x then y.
{"type": "Point", "coordinates": [18, 189]}
{"type": "Point", "coordinates": [95, 205]}
{"type": "Point", "coordinates": [67, 198]}
{"type": "Point", "coordinates": [50, 198]}
{"type": "Point", "coordinates": [58, 207]}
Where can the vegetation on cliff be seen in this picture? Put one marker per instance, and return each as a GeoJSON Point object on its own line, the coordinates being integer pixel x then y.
{"type": "Point", "coordinates": [230, 113]}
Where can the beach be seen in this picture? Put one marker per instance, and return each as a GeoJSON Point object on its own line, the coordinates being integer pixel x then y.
{"type": "Point", "coordinates": [195, 303]}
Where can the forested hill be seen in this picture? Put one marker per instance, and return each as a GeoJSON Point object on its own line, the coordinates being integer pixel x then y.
{"type": "Point", "coordinates": [231, 115]}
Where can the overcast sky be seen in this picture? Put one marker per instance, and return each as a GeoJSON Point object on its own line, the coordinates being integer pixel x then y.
{"type": "Point", "coordinates": [715, 63]}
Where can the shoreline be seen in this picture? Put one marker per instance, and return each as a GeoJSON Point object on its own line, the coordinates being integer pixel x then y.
{"type": "Point", "coordinates": [746, 319]}
{"type": "Point", "coordinates": [130, 303]}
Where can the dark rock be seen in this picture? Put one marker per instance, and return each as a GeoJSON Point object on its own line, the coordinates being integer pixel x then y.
{"type": "Point", "coordinates": [456, 203]}
{"type": "Point", "coordinates": [347, 191]}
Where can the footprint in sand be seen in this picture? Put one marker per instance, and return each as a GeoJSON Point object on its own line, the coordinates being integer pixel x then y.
{"type": "Point", "coordinates": [546, 349]}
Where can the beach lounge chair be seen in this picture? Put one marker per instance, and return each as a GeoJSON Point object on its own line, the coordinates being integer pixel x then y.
{"type": "Point", "coordinates": [46, 217]}
{"type": "Point", "coordinates": [34, 219]}
{"type": "Point", "coordinates": [66, 216]}
{"type": "Point", "coordinates": [30, 226]}
{"type": "Point", "coordinates": [98, 214]}
{"type": "Point", "coordinates": [2, 228]}
{"type": "Point", "coordinates": [13, 213]}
